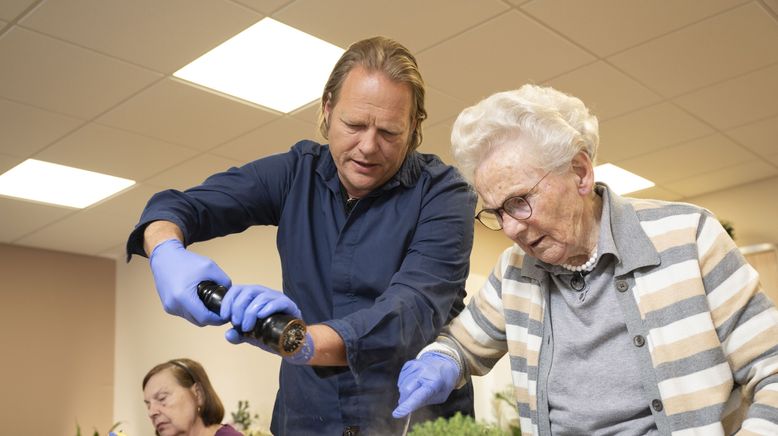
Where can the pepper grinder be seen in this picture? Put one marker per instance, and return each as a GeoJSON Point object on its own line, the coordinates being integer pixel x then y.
{"type": "Point", "coordinates": [281, 332]}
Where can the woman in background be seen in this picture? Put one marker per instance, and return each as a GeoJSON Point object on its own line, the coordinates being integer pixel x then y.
{"type": "Point", "coordinates": [181, 401]}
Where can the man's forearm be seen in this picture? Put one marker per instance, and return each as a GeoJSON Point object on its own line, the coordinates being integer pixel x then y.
{"type": "Point", "coordinates": [159, 231]}
{"type": "Point", "coordinates": [329, 347]}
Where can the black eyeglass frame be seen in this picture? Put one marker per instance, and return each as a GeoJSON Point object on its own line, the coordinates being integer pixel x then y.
{"type": "Point", "coordinates": [497, 213]}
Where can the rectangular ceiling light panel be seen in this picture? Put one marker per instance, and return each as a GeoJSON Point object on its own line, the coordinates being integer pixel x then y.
{"type": "Point", "coordinates": [59, 184]}
{"type": "Point", "coordinates": [620, 180]}
{"type": "Point", "coordinates": [269, 63]}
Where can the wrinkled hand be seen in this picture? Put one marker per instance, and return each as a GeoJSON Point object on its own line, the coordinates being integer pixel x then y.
{"type": "Point", "coordinates": [177, 272]}
{"type": "Point", "coordinates": [426, 380]}
{"type": "Point", "coordinates": [244, 304]}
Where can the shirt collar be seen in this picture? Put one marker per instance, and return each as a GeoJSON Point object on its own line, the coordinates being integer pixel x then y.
{"type": "Point", "coordinates": [632, 243]}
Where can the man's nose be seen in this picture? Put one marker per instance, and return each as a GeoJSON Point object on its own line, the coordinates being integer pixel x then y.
{"type": "Point", "coordinates": [368, 143]}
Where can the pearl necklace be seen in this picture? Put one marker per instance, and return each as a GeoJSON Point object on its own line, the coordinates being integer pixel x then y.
{"type": "Point", "coordinates": [588, 266]}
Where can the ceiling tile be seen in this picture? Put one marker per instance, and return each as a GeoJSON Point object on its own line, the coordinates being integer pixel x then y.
{"type": "Point", "coordinates": [441, 107]}
{"type": "Point", "coordinates": [646, 130]}
{"type": "Point", "coordinates": [275, 137]}
{"type": "Point", "coordinates": [10, 9]}
{"type": "Point", "coordinates": [118, 252]}
{"type": "Point", "coordinates": [7, 162]}
{"type": "Point", "coordinates": [704, 53]}
{"type": "Point", "coordinates": [264, 6]}
{"type": "Point", "coordinates": [656, 193]}
{"type": "Point", "coordinates": [723, 178]}
{"type": "Point", "coordinates": [308, 113]}
{"type": "Point", "coordinates": [160, 35]}
{"type": "Point", "coordinates": [115, 152]}
{"type": "Point", "coordinates": [606, 91]}
{"type": "Point", "coordinates": [109, 224]}
{"type": "Point", "coordinates": [688, 159]}
{"type": "Point", "coordinates": [21, 217]}
{"type": "Point", "coordinates": [192, 172]}
{"type": "Point", "coordinates": [760, 137]}
{"type": "Point", "coordinates": [27, 129]}
{"type": "Point", "coordinates": [85, 82]}
{"type": "Point", "coordinates": [176, 112]}
{"type": "Point", "coordinates": [107, 58]}
{"type": "Point", "coordinates": [447, 68]}
{"type": "Point", "coordinates": [608, 26]}
{"type": "Point", "coordinates": [738, 101]}
{"type": "Point", "coordinates": [343, 22]}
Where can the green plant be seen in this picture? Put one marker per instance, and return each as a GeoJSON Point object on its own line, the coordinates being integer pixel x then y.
{"type": "Point", "coordinates": [505, 398]}
{"type": "Point", "coordinates": [244, 420]}
{"type": "Point", "coordinates": [457, 425]}
{"type": "Point", "coordinates": [97, 433]}
{"type": "Point", "coordinates": [729, 227]}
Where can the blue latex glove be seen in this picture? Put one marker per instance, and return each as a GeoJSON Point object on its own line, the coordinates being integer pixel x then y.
{"type": "Point", "coordinates": [430, 379]}
{"type": "Point", "coordinates": [244, 304]}
{"type": "Point", "coordinates": [177, 272]}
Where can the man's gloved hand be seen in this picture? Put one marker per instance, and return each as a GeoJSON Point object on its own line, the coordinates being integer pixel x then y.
{"type": "Point", "coordinates": [243, 305]}
{"type": "Point", "coordinates": [177, 272]}
{"type": "Point", "coordinates": [426, 380]}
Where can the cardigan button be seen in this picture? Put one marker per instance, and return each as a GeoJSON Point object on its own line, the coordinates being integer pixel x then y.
{"type": "Point", "coordinates": [622, 285]}
{"type": "Point", "coordinates": [657, 405]}
{"type": "Point", "coordinates": [639, 341]}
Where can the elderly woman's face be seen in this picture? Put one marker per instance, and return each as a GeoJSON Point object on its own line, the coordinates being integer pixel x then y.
{"type": "Point", "coordinates": [553, 233]}
{"type": "Point", "coordinates": [171, 407]}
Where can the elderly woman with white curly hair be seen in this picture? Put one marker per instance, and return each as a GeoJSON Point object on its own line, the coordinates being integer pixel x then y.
{"type": "Point", "coordinates": [620, 316]}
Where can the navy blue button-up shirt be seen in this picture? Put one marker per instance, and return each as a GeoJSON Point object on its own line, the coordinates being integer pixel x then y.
{"type": "Point", "coordinates": [386, 277]}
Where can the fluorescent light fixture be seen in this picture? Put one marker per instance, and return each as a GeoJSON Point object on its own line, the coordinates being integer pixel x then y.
{"type": "Point", "coordinates": [620, 180]}
{"type": "Point", "coordinates": [269, 63]}
{"type": "Point", "coordinates": [59, 184]}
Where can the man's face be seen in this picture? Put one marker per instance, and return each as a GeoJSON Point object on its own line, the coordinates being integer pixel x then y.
{"type": "Point", "coordinates": [369, 130]}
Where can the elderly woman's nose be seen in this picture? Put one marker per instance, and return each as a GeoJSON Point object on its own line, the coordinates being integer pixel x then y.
{"type": "Point", "coordinates": [511, 226]}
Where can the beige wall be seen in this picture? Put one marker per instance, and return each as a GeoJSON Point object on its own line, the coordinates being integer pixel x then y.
{"type": "Point", "coordinates": [57, 333]}
{"type": "Point", "coordinates": [752, 209]}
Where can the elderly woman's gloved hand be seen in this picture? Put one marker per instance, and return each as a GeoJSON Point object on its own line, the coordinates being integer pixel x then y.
{"type": "Point", "coordinates": [177, 272]}
{"type": "Point", "coordinates": [426, 380]}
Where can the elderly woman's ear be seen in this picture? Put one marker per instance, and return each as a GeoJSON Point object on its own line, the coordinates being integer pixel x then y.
{"type": "Point", "coordinates": [584, 171]}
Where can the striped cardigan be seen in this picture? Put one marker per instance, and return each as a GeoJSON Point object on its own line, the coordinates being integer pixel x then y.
{"type": "Point", "coordinates": [711, 333]}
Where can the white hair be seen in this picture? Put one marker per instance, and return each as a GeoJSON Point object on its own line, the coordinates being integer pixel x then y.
{"type": "Point", "coordinates": [557, 126]}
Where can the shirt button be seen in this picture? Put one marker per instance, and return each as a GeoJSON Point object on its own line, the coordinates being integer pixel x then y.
{"type": "Point", "coordinates": [622, 285]}
{"type": "Point", "coordinates": [657, 405]}
{"type": "Point", "coordinates": [639, 341]}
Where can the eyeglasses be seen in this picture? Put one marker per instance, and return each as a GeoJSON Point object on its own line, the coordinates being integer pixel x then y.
{"type": "Point", "coordinates": [517, 207]}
